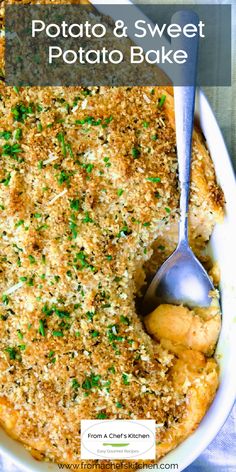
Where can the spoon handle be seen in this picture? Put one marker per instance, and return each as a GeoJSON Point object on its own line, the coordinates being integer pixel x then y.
{"type": "Point", "coordinates": [184, 113]}
{"type": "Point", "coordinates": [184, 96]}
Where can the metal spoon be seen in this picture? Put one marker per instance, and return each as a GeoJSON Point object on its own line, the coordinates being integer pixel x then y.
{"type": "Point", "coordinates": [182, 279]}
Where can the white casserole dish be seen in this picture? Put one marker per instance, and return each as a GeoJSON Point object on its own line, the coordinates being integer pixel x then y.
{"type": "Point", "coordinates": [222, 247]}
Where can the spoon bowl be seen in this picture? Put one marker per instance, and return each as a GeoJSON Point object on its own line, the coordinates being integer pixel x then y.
{"type": "Point", "coordinates": [181, 280]}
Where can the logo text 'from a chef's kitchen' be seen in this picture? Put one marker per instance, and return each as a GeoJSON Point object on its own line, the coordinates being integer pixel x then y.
{"type": "Point", "coordinates": [118, 439]}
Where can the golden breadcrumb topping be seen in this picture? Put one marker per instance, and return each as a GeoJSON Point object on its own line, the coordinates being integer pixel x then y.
{"type": "Point", "coordinates": [87, 183]}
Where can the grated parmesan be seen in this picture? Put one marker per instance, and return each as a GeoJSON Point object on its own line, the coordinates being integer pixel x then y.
{"type": "Point", "coordinates": [57, 196]}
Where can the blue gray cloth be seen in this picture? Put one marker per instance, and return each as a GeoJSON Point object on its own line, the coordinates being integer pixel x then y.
{"type": "Point", "coordinates": [220, 456]}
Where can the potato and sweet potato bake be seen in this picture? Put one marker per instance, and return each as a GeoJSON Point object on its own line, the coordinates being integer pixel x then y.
{"type": "Point", "coordinates": [88, 209]}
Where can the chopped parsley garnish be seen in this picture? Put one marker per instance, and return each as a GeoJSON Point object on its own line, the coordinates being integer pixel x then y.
{"type": "Point", "coordinates": [112, 334]}
{"type": "Point", "coordinates": [88, 168]}
{"type": "Point", "coordinates": [90, 120]}
{"type": "Point", "coordinates": [18, 262]}
{"type": "Point", "coordinates": [107, 161]}
{"type": "Point", "coordinates": [18, 134]}
{"type": "Point", "coordinates": [161, 248]}
{"type": "Point", "coordinates": [73, 226]}
{"type": "Point", "coordinates": [61, 313]}
{"type": "Point", "coordinates": [81, 259]}
{"type": "Point", "coordinates": [112, 370]}
{"type": "Point", "coordinates": [6, 181]}
{"type": "Point", "coordinates": [84, 92]}
{"type": "Point", "coordinates": [22, 347]}
{"type": "Point", "coordinates": [31, 259]}
{"type": "Point", "coordinates": [125, 231]}
{"type": "Point", "coordinates": [119, 405]}
{"type": "Point", "coordinates": [145, 124]}
{"type": "Point", "coordinates": [94, 334]}
{"type": "Point", "coordinates": [48, 311]}
{"type": "Point", "coordinates": [12, 352]}
{"type": "Point", "coordinates": [5, 135]}
{"type": "Point", "coordinates": [125, 379]}
{"type": "Point", "coordinates": [90, 315]}
{"type": "Point", "coordinates": [63, 177]}
{"type": "Point", "coordinates": [75, 384]}
{"type": "Point", "coordinates": [19, 223]}
{"type": "Point", "coordinates": [11, 150]}
{"type": "Point", "coordinates": [61, 139]}
{"type": "Point", "coordinates": [5, 299]}
{"type": "Point", "coordinates": [86, 385]}
{"type": "Point", "coordinates": [75, 204]}
{"type": "Point", "coordinates": [58, 334]}
{"type": "Point", "coordinates": [87, 218]}
{"type": "Point", "coordinates": [42, 227]}
{"type": "Point", "coordinates": [168, 210]}
{"type": "Point", "coordinates": [161, 101]}
{"type": "Point", "coordinates": [101, 416]}
{"type": "Point", "coordinates": [120, 192]}
{"type": "Point", "coordinates": [153, 179]}
{"type": "Point", "coordinates": [21, 112]}
{"type": "Point", "coordinates": [51, 356]}
{"type": "Point", "coordinates": [135, 152]}
{"type": "Point", "coordinates": [108, 120]}
{"type": "Point", "coordinates": [30, 282]}
{"type": "Point", "coordinates": [92, 381]}
{"type": "Point", "coordinates": [19, 334]}
{"type": "Point", "coordinates": [125, 320]}
{"type": "Point", "coordinates": [41, 328]}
